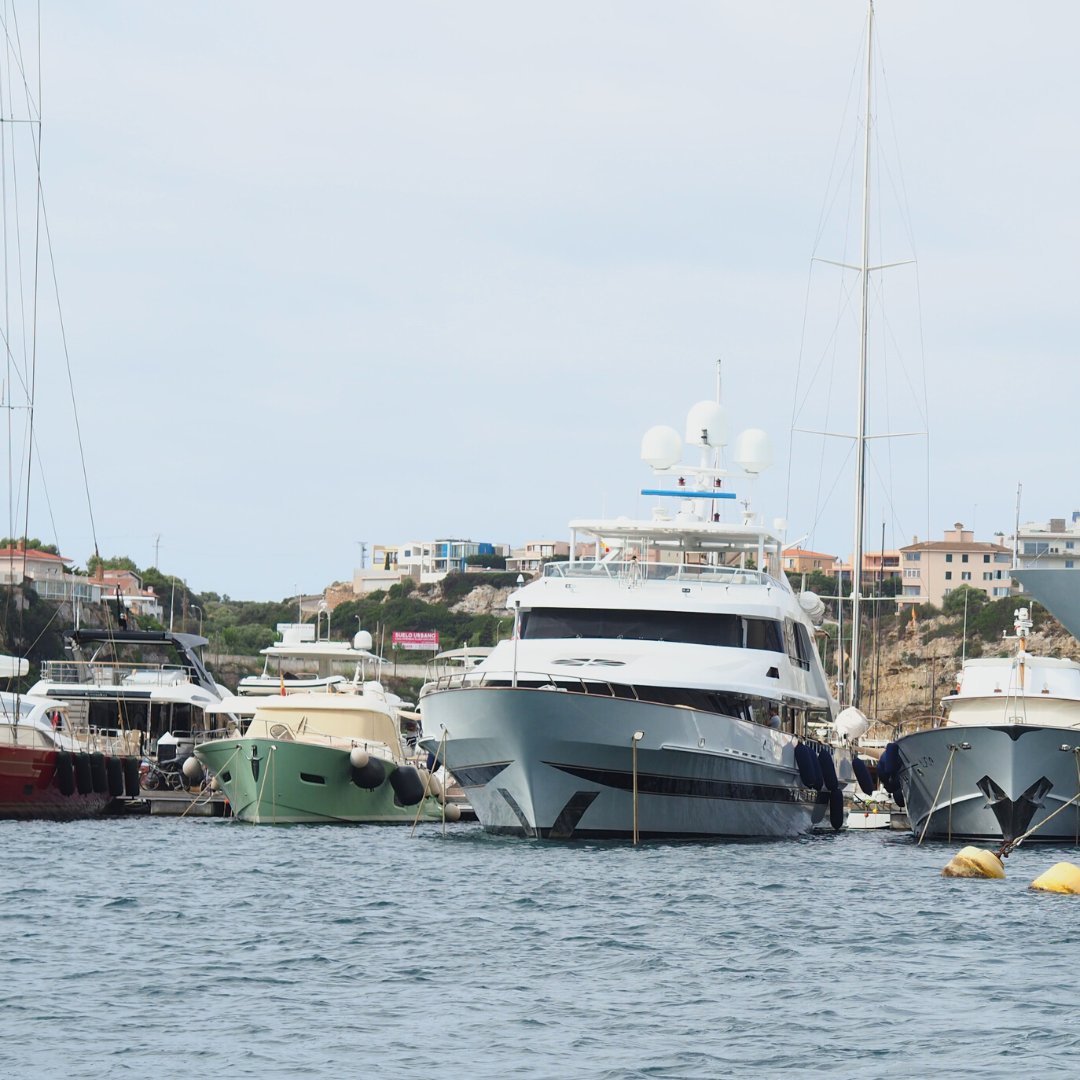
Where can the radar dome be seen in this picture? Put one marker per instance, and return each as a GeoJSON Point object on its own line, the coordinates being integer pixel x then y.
{"type": "Point", "coordinates": [661, 447]}
{"type": "Point", "coordinates": [362, 640]}
{"type": "Point", "coordinates": [706, 425]}
{"type": "Point", "coordinates": [753, 451]}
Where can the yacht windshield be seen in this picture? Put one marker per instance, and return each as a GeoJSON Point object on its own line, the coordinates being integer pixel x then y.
{"type": "Point", "coordinates": [691, 627]}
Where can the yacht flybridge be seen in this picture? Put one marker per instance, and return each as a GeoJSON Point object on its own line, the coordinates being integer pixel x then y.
{"type": "Point", "coordinates": [661, 683]}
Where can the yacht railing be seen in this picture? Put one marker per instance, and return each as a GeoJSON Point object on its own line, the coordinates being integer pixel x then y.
{"type": "Point", "coordinates": [631, 570]}
{"type": "Point", "coordinates": [113, 673]}
{"type": "Point", "coordinates": [536, 680]}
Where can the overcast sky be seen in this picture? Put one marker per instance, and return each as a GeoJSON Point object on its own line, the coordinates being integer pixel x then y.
{"type": "Point", "coordinates": [342, 272]}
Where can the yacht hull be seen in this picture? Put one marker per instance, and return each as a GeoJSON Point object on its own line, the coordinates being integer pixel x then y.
{"type": "Point", "coordinates": [1002, 781]}
{"type": "Point", "coordinates": [279, 782]}
{"type": "Point", "coordinates": [29, 791]}
{"type": "Point", "coordinates": [558, 765]}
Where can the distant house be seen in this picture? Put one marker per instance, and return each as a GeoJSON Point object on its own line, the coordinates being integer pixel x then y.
{"type": "Point", "coordinates": [422, 560]}
{"type": "Point", "coordinates": [128, 586]}
{"type": "Point", "coordinates": [1049, 545]}
{"type": "Point", "coordinates": [797, 560]}
{"type": "Point", "coordinates": [46, 573]}
{"type": "Point", "coordinates": [529, 559]}
{"type": "Point", "coordinates": [933, 568]}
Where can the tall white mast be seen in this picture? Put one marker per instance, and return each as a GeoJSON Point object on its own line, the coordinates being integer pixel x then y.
{"type": "Point", "coordinates": [860, 434]}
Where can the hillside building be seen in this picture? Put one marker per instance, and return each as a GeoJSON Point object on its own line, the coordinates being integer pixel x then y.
{"type": "Point", "coordinates": [933, 568]}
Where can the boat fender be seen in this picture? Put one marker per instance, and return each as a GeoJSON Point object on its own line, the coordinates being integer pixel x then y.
{"type": "Point", "coordinates": [821, 807]}
{"type": "Point", "coordinates": [114, 773]}
{"type": "Point", "coordinates": [407, 785]}
{"type": "Point", "coordinates": [898, 796]}
{"type": "Point", "coordinates": [84, 779]}
{"type": "Point", "coordinates": [192, 769]}
{"type": "Point", "coordinates": [98, 776]}
{"type": "Point", "coordinates": [804, 759]}
{"type": "Point", "coordinates": [65, 773]}
{"type": "Point", "coordinates": [889, 766]}
{"type": "Point", "coordinates": [973, 862]}
{"type": "Point", "coordinates": [862, 774]}
{"type": "Point", "coordinates": [433, 762]}
{"type": "Point", "coordinates": [131, 777]}
{"type": "Point", "coordinates": [432, 784]}
{"type": "Point", "coordinates": [451, 811]}
{"type": "Point", "coordinates": [836, 809]}
{"type": "Point", "coordinates": [358, 757]}
{"type": "Point", "coordinates": [215, 784]}
{"type": "Point", "coordinates": [828, 769]}
{"type": "Point", "coordinates": [370, 776]}
{"type": "Point", "coordinates": [1062, 877]}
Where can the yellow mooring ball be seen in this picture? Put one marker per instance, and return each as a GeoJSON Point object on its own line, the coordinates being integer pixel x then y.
{"type": "Point", "coordinates": [1063, 877]}
{"type": "Point", "coordinates": [974, 862]}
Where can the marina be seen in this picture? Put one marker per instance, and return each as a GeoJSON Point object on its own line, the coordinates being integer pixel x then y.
{"type": "Point", "coordinates": [760, 770]}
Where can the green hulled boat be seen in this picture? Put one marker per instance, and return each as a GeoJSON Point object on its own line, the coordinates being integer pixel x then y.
{"type": "Point", "coordinates": [323, 757]}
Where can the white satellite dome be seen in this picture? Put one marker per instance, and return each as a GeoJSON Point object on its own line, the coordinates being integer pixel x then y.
{"type": "Point", "coordinates": [661, 447]}
{"type": "Point", "coordinates": [753, 451]}
{"type": "Point", "coordinates": [362, 640]}
{"type": "Point", "coordinates": [707, 425]}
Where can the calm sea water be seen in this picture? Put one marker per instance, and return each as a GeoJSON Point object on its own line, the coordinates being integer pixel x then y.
{"type": "Point", "coordinates": [149, 946]}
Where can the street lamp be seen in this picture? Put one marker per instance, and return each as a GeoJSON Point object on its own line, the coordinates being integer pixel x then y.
{"type": "Point", "coordinates": [195, 607]}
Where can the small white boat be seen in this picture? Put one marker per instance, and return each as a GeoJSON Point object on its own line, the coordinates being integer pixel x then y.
{"type": "Point", "coordinates": [306, 661]}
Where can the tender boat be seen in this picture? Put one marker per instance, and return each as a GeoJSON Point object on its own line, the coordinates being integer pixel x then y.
{"type": "Point", "coordinates": [1006, 758]}
{"type": "Point", "coordinates": [664, 685]}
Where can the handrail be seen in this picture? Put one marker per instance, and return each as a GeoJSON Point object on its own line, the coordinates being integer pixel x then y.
{"type": "Point", "coordinates": [633, 570]}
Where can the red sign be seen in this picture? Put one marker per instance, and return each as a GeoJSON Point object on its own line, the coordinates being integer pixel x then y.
{"type": "Point", "coordinates": [416, 639]}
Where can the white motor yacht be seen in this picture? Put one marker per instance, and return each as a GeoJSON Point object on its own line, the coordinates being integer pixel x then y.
{"type": "Point", "coordinates": [664, 685]}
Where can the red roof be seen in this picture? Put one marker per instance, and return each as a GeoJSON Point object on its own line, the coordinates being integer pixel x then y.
{"type": "Point", "coordinates": [804, 554]}
{"type": "Point", "coordinates": [31, 555]}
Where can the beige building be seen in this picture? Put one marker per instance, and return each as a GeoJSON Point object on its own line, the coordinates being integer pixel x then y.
{"type": "Point", "coordinates": [800, 561]}
{"type": "Point", "coordinates": [529, 559]}
{"type": "Point", "coordinates": [933, 568]}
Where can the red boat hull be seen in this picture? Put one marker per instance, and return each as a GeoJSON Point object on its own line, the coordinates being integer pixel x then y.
{"type": "Point", "coordinates": [28, 788]}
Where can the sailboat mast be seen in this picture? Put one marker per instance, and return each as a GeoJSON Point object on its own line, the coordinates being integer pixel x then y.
{"type": "Point", "coordinates": [860, 434]}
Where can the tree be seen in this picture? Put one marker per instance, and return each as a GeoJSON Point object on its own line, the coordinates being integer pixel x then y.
{"type": "Point", "coordinates": [964, 596]}
{"type": "Point", "coordinates": [114, 562]}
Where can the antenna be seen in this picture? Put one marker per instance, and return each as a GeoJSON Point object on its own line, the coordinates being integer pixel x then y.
{"type": "Point", "coordinates": [1016, 529]}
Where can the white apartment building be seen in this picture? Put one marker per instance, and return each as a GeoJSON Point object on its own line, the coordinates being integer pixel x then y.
{"type": "Point", "coordinates": [1049, 545]}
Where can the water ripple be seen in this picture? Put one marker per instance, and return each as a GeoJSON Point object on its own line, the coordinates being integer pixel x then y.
{"type": "Point", "coordinates": [325, 951]}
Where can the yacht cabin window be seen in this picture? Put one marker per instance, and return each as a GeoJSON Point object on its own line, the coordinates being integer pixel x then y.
{"type": "Point", "coordinates": [689, 627]}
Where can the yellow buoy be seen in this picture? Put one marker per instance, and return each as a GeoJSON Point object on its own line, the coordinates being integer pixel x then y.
{"type": "Point", "coordinates": [1063, 877]}
{"type": "Point", "coordinates": [976, 863]}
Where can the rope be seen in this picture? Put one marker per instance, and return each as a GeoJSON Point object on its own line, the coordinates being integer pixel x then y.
{"type": "Point", "coordinates": [262, 786]}
{"type": "Point", "coordinates": [933, 805]}
{"type": "Point", "coordinates": [420, 806]}
{"type": "Point", "coordinates": [210, 794]}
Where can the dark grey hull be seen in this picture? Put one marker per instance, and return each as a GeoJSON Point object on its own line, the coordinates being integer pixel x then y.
{"type": "Point", "coordinates": [554, 765]}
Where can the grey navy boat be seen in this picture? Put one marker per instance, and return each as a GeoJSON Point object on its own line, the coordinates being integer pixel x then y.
{"type": "Point", "coordinates": [1006, 759]}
